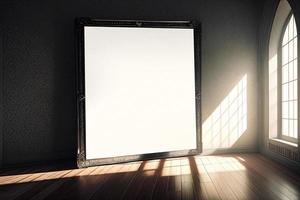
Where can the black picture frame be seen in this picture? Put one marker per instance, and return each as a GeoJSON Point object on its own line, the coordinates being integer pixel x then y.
{"type": "Point", "coordinates": [80, 23]}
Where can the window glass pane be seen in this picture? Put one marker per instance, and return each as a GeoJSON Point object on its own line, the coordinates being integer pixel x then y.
{"type": "Point", "coordinates": [295, 92]}
{"type": "Point", "coordinates": [291, 128]}
{"type": "Point", "coordinates": [291, 91]}
{"type": "Point", "coordinates": [285, 92]}
{"type": "Point", "coordinates": [291, 109]}
{"type": "Point", "coordinates": [295, 110]}
{"type": "Point", "coordinates": [285, 54]}
{"type": "Point", "coordinates": [285, 127]}
{"type": "Point", "coordinates": [295, 74]}
{"type": "Point", "coordinates": [285, 110]}
{"type": "Point", "coordinates": [291, 71]}
{"type": "Point", "coordinates": [289, 76]}
{"type": "Point", "coordinates": [291, 49]}
{"type": "Point", "coordinates": [285, 75]}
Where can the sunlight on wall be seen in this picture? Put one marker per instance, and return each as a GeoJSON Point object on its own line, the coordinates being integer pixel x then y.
{"type": "Point", "coordinates": [273, 97]}
{"type": "Point", "coordinates": [229, 120]}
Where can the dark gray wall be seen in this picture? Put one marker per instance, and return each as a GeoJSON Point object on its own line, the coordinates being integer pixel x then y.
{"type": "Point", "coordinates": [38, 64]}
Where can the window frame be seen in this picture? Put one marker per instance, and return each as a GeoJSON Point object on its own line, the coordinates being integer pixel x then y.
{"type": "Point", "coordinates": [279, 83]}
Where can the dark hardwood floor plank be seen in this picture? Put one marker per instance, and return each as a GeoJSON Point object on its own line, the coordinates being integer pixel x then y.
{"type": "Point", "coordinates": [239, 186]}
{"type": "Point", "coordinates": [88, 182]}
{"type": "Point", "coordinates": [12, 188]}
{"type": "Point", "coordinates": [241, 175]}
{"type": "Point", "coordinates": [161, 186]}
{"type": "Point", "coordinates": [72, 185]}
{"type": "Point", "coordinates": [15, 178]}
{"type": "Point", "coordinates": [135, 185]}
{"type": "Point", "coordinates": [267, 189]}
{"type": "Point", "coordinates": [210, 191]}
{"type": "Point", "coordinates": [56, 184]}
{"type": "Point", "coordinates": [217, 178]}
{"type": "Point", "coordinates": [187, 182]}
{"type": "Point", "coordinates": [200, 190]}
{"type": "Point", "coordinates": [274, 178]}
{"type": "Point", "coordinates": [232, 176]}
{"type": "Point", "coordinates": [174, 184]}
{"type": "Point", "coordinates": [42, 182]}
{"type": "Point", "coordinates": [151, 171]}
{"type": "Point", "coordinates": [280, 170]}
{"type": "Point", "coordinates": [116, 182]}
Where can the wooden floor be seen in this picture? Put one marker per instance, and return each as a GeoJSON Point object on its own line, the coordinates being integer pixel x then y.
{"type": "Point", "coordinates": [236, 176]}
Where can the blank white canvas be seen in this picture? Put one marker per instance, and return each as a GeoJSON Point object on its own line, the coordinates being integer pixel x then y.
{"type": "Point", "coordinates": [140, 91]}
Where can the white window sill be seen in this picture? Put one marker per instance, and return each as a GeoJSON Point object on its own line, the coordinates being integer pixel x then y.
{"type": "Point", "coordinates": [285, 142]}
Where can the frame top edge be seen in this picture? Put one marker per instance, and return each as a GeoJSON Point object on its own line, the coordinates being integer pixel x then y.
{"type": "Point", "coordinates": [87, 21]}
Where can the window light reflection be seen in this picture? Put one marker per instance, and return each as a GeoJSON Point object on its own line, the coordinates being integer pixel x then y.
{"type": "Point", "coordinates": [229, 120]}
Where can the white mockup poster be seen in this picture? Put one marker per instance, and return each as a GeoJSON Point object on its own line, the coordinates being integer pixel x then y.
{"type": "Point", "coordinates": [139, 91]}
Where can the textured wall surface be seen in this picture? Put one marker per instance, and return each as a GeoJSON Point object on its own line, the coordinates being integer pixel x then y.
{"type": "Point", "coordinates": [39, 119]}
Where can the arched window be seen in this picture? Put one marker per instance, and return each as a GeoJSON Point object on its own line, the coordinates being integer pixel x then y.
{"type": "Point", "coordinates": [289, 81]}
